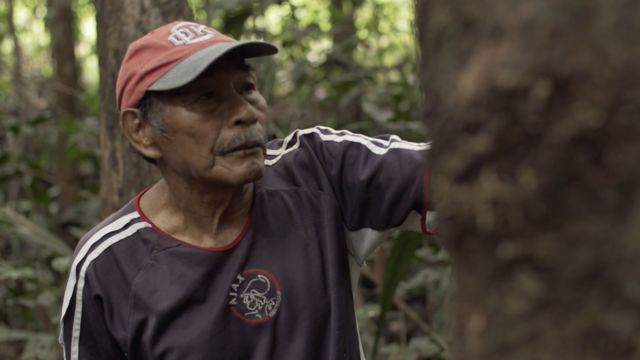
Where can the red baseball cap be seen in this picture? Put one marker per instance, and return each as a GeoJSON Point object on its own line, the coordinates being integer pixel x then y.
{"type": "Point", "coordinates": [173, 55]}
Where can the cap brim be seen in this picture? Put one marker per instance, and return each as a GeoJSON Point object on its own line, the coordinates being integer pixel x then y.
{"type": "Point", "coordinates": [189, 68]}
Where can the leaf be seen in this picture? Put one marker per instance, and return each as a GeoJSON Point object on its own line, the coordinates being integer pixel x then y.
{"type": "Point", "coordinates": [402, 254]}
{"type": "Point", "coordinates": [38, 345]}
{"type": "Point", "coordinates": [424, 347]}
{"type": "Point", "coordinates": [9, 272]}
{"type": "Point", "coordinates": [13, 223]}
{"type": "Point", "coordinates": [8, 334]}
{"type": "Point", "coordinates": [377, 113]}
{"type": "Point", "coordinates": [61, 263]}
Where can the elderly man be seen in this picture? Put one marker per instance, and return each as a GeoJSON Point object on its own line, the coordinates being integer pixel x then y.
{"type": "Point", "coordinates": [245, 248]}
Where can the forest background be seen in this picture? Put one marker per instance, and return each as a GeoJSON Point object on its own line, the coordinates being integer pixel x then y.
{"type": "Point", "coordinates": [348, 64]}
{"type": "Point", "coordinates": [532, 105]}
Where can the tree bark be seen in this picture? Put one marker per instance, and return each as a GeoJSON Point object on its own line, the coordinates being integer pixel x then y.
{"type": "Point", "coordinates": [66, 88]}
{"type": "Point", "coordinates": [124, 173]}
{"type": "Point", "coordinates": [533, 107]}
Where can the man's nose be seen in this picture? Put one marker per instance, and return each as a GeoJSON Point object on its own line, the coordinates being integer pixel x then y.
{"type": "Point", "coordinates": [244, 113]}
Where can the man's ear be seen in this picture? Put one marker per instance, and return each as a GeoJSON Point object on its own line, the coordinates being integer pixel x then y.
{"type": "Point", "coordinates": [140, 134]}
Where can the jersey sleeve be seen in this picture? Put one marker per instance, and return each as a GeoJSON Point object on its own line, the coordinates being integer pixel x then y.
{"type": "Point", "coordinates": [377, 181]}
{"type": "Point", "coordinates": [84, 332]}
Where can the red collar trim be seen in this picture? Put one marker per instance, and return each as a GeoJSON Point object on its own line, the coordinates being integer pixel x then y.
{"type": "Point", "coordinates": [245, 228]}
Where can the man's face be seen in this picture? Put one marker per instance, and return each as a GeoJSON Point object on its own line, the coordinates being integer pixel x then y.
{"type": "Point", "coordinates": [214, 127]}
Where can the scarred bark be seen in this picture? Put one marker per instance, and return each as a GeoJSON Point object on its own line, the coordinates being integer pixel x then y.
{"type": "Point", "coordinates": [122, 172]}
{"type": "Point", "coordinates": [533, 107]}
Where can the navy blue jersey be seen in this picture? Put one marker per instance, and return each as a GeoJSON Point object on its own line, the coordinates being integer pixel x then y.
{"type": "Point", "coordinates": [281, 290]}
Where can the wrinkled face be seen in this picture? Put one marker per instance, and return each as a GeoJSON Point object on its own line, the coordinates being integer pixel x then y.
{"type": "Point", "coordinates": [214, 127]}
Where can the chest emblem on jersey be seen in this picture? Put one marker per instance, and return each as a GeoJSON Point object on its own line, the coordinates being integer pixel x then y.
{"type": "Point", "coordinates": [255, 296]}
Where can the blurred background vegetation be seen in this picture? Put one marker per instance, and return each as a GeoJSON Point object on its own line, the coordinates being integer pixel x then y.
{"type": "Point", "coordinates": [343, 63]}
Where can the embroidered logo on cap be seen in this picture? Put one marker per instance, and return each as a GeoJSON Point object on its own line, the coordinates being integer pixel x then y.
{"type": "Point", "coordinates": [186, 33]}
{"type": "Point", "coordinates": [255, 296]}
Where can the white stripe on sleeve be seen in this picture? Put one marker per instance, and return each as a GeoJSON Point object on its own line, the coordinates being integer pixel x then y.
{"type": "Point", "coordinates": [113, 226]}
{"type": "Point", "coordinates": [375, 145]}
{"type": "Point", "coordinates": [77, 317]}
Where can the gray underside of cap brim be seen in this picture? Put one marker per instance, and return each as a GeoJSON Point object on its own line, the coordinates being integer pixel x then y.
{"type": "Point", "coordinates": [189, 68]}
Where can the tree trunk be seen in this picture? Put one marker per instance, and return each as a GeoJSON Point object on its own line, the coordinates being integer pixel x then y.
{"type": "Point", "coordinates": [340, 63]}
{"type": "Point", "coordinates": [533, 107]}
{"type": "Point", "coordinates": [123, 173]}
{"type": "Point", "coordinates": [66, 88]}
{"type": "Point", "coordinates": [16, 144]}
{"type": "Point", "coordinates": [17, 73]}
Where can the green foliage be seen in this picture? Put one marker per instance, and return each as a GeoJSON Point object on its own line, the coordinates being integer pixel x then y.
{"type": "Point", "coordinates": [409, 315]}
{"type": "Point", "coordinates": [33, 265]}
{"type": "Point", "coordinates": [36, 237]}
{"type": "Point", "coordinates": [402, 254]}
{"type": "Point", "coordinates": [347, 67]}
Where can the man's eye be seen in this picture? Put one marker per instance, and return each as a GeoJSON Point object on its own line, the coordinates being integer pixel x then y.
{"type": "Point", "coordinates": [205, 97]}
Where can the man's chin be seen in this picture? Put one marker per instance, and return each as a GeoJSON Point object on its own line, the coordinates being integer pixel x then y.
{"type": "Point", "coordinates": [244, 180]}
{"type": "Point", "coordinates": [248, 173]}
{"type": "Point", "coordinates": [255, 171]}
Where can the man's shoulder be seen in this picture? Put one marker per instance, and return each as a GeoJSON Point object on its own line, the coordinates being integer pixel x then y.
{"type": "Point", "coordinates": [120, 225]}
{"type": "Point", "coordinates": [108, 257]}
{"type": "Point", "coordinates": [292, 161]}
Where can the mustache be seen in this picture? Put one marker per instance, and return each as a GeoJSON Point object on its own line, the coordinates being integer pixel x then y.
{"type": "Point", "coordinates": [253, 136]}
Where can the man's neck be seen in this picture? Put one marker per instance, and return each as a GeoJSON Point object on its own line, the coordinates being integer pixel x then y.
{"type": "Point", "coordinates": [209, 216]}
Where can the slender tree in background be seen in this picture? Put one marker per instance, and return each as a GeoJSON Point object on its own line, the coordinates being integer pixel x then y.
{"type": "Point", "coordinates": [341, 63]}
{"type": "Point", "coordinates": [19, 89]}
{"type": "Point", "coordinates": [122, 173]}
{"type": "Point", "coordinates": [534, 108]}
{"type": "Point", "coordinates": [17, 76]}
{"type": "Point", "coordinates": [66, 89]}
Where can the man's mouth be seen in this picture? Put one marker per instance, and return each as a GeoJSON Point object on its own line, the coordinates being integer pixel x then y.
{"type": "Point", "coordinates": [252, 145]}
{"type": "Point", "coordinates": [248, 142]}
